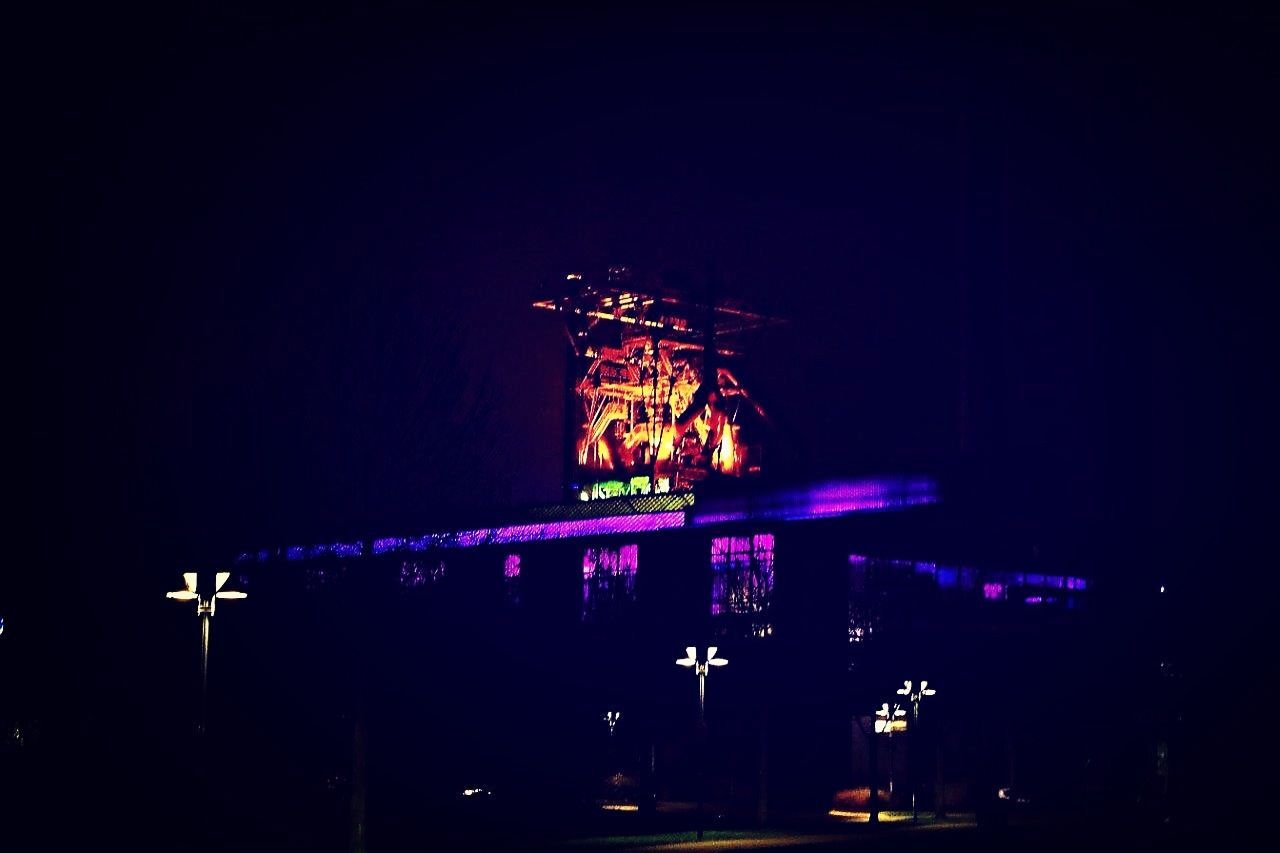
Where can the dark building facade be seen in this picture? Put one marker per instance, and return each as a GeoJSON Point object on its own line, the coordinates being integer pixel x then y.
{"type": "Point", "coordinates": [402, 672]}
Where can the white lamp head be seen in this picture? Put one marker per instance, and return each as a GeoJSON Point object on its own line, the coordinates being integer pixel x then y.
{"type": "Point", "coordinates": [189, 591]}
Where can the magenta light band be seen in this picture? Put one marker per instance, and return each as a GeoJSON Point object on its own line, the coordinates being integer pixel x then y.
{"type": "Point", "coordinates": [605, 526]}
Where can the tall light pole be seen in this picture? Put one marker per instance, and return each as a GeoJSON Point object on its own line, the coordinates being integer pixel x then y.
{"type": "Point", "coordinates": [611, 719]}
{"type": "Point", "coordinates": [205, 605]}
{"type": "Point", "coordinates": [914, 696]}
{"type": "Point", "coordinates": [701, 668]}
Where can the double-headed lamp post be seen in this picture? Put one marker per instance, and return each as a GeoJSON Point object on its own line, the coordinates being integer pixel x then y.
{"type": "Point", "coordinates": [205, 605]}
{"type": "Point", "coordinates": [914, 695]}
{"type": "Point", "coordinates": [701, 668]}
{"type": "Point", "coordinates": [886, 716]}
{"type": "Point", "coordinates": [884, 719]}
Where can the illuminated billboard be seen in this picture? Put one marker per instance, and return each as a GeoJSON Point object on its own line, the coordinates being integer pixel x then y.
{"type": "Point", "coordinates": [656, 401]}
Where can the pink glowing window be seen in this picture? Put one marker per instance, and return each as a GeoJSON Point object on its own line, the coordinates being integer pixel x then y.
{"type": "Point", "coordinates": [511, 577]}
{"type": "Point", "coordinates": [742, 580]}
{"type": "Point", "coordinates": [608, 580]}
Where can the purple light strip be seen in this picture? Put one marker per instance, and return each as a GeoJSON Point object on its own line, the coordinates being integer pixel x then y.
{"type": "Point", "coordinates": [603, 526]}
{"type": "Point", "coordinates": [337, 549]}
{"type": "Point", "coordinates": [387, 544]}
{"type": "Point", "coordinates": [994, 584]}
{"type": "Point", "coordinates": [825, 500]}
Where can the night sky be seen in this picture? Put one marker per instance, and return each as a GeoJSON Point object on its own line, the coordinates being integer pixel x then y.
{"type": "Point", "coordinates": [276, 269]}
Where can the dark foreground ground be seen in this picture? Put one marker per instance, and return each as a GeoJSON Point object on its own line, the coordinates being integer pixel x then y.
{"type": "Point", "coordinates": [926, 837]}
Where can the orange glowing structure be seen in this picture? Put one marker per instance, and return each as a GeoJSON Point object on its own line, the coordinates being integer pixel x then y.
{"type": "Point", "coordinates": [655, 405]}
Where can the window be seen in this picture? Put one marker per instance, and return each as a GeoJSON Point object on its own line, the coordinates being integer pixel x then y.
{"type": "Point", "coordinates": [419, 573]}
{"type": "Point", "coordinates": [608, 580]}
{"type": "Point", "coordinates": [864, 613]}
{"type": "Point", "coordinates": [742, 583]}
{"type": "Point", "coordinates": [511, 578]}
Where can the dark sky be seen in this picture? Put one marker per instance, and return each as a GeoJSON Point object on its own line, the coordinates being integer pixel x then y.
{"type": "Point", "coordinates": [280, 261]}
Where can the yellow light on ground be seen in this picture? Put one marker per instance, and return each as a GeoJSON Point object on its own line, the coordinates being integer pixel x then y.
{"type": "Point", "coordinates": [620, 807]}
{"type": "Point", "coordinates": [864, 817]}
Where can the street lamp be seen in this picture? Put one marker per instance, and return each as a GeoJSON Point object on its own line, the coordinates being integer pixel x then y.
{"type": "Point", "coordinates": [612, 717]}
{"type": "Point", "coordinates": [885, 717]}
{"type": "Point", "coordinates": [914, 695]}
{"type": "Point", "coordinates": [205, 605]}
{"type": "Point", "coordinates": [690, 659]}
{"type": "Point", "coordinates": [701, 668]}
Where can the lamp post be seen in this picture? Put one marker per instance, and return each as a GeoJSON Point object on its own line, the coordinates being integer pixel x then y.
{"type": "Point", "coordinates": [701, 668]}
{"type": "Point", "coordinates": [914, 695]}
{"type": "Point", "coordinates": [611, 719]}
{"type": "Point", "coordinates": [205, 606]}
{"type": "Point", "coordinates": [885, 718]}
